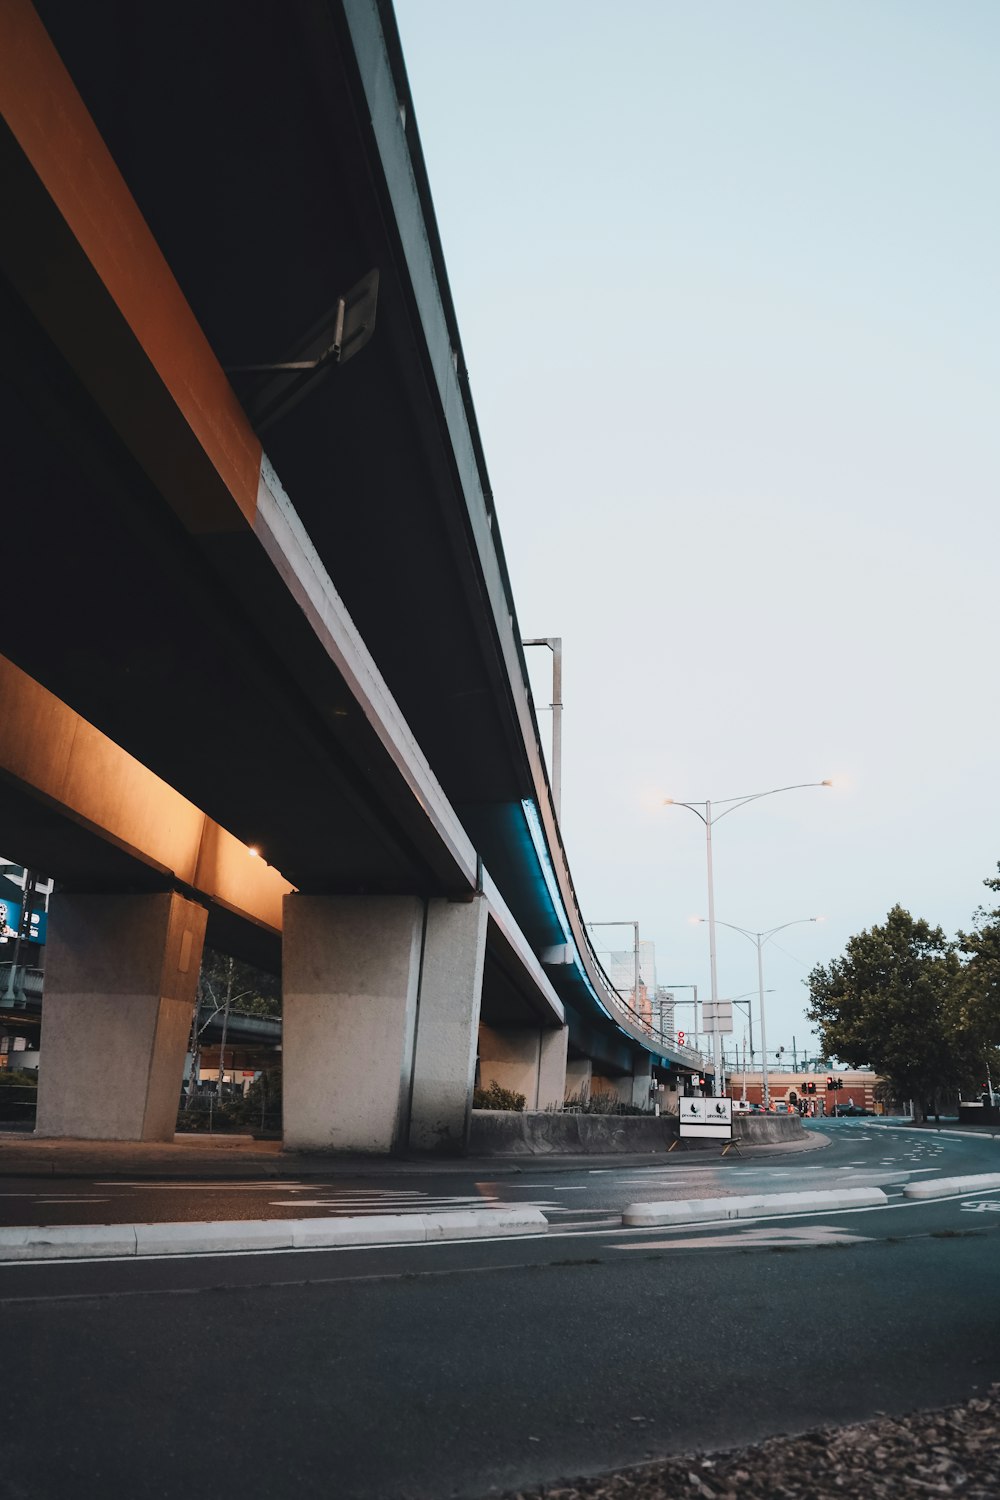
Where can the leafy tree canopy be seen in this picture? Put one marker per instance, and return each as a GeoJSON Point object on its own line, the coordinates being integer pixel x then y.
{"type": "Point", "coordinates": [250, 990]}
{"type": "Point", "coordinates": [891, 1002]}
{"type": "Point", "coordinates": [979, 1001]}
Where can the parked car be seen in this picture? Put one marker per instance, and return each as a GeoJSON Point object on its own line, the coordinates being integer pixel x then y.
{"type": "Point", "coordinates": [851, 1109]}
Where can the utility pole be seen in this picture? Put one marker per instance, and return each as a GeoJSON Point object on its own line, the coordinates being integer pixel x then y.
{"type": "Point", "coordinates": [225, 1025]}
{"type": "Point", "coordinates": [23, 932]}
{"type": "Point", "coordinates": [554, 643]}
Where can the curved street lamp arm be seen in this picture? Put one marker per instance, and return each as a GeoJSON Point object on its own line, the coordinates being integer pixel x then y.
{"type": "Point", "coordinates": [746, 931]}
{"type": "Point", "coordinates": [766, 937]}
{"type": "Point", "coordinates": [691, 807]}
{"type": "Point", "coordinates": [756, 796]}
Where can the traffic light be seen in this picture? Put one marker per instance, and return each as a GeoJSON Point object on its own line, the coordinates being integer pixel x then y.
{"type": "Point", "coordinates": [812, 1085]}
{"type": "Point", "coordinates": [830, 1084]}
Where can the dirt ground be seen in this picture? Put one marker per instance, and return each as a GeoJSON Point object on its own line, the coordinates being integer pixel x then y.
{"type": "Point", "coordinates": [954, 1451]}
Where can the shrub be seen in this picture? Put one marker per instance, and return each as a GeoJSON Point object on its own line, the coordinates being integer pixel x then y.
{"type": "Point", "coordinates": [598, 1104]}
{"type": "Point", "coordinates": [495, 1097]}
{"type": "Point", "coordinates": [18, 1078]}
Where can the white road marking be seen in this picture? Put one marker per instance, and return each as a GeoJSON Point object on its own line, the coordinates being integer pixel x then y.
{"type": "Point", "coordinates": [818, 1234]}
{"type": "Point", "coordinates": [214, 1187]}
{"type": "Point", "coordinates": [346, 1208]}
{"type": "Point", "coordinates": [73, 1200]}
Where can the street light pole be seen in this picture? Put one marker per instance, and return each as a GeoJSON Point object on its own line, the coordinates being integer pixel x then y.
{"type": "Point", "coordinates": [718, 1081]}
{"type": "Point", "coordinates": [635, 930]}
{"type": "Point", "coordinates": [759, 939]}
{"type": "Point", "coordinates": [685, 1002]}
{"type": "Point", "coordinates": [554, 643]}
{"type": "Point", "coordinates": [730, 804]}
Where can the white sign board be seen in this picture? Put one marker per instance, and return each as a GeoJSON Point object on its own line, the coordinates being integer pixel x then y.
{"type": "Point", "coordinates": [712, 1119]}
{"type": "Point", "coordinates": [717, 1016]}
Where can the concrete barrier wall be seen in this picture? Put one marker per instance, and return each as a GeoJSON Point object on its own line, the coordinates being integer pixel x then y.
{"type": "Point", "coordinates": [543, 1133]}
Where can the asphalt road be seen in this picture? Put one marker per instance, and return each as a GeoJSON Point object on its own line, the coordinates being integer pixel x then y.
{"type": "Point", "coordinates": [867, 1154]}
{"type": "Point", "coordinates": [439, 1370]}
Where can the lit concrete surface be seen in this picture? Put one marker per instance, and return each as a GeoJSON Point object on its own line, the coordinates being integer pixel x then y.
{"type": "Point", "coordinates": [72, 765]}
{"type": "Point", "coordinates": [447, 1025]}
{"type": "Point", "coordinates": [529, 1060]}
{"type": "Point", "coordinates": [121, 976]}
{"type": "Point", "coordinates": [705, 1210]}
{"type": "Point", "coordinates": [94, 1241]}
{"type": "Point", "coordinates": [351, 975]}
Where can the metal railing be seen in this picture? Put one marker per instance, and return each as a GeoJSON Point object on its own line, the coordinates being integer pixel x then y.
{"type": "Point", "coordinates": [666, 1039]}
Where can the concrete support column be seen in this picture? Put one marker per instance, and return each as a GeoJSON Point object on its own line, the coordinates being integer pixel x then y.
{"type": "Point", "coordinates": [620, 1086]}
{"type": "Point", "coordinates": [642, 1077]}
{"type": "Point", "coordinates": [579, 1071]}
{"type": "Point", "coordinates": [121, 975]}
{"type": "Point", "coordinates": [531, 1060]}
{"type": "Point", "coordinates": [351, 979]}
{"type": "Point", "coordinates": [552, 1067]}
{"type": "Point", "coordinates": [444, 1059]}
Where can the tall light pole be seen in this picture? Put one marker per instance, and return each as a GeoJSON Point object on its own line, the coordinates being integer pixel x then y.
{"type": "Point", "coordinates": [635, 928]}
{"type": "Point", "coordinates": [759, 939]}
{"type": "Point", "coordinates": [729, 804]}
{"type": "Point", "coordinates": [554, 643]}
{"type": "Point", "coordinates": [684, 1002]}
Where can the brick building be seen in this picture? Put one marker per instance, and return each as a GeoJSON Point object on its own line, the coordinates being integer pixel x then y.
{"type": "Point", "coordinates": [857, 1086]}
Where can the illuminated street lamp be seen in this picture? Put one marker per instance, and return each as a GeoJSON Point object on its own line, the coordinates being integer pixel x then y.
{"type": "Point", "coordinates": [729, 804]}
{"type": "Point", "coordinates": [759, 939]}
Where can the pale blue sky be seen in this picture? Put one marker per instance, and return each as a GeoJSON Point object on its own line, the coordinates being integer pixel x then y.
{"type": "Point", "coordinates": [727, 277]}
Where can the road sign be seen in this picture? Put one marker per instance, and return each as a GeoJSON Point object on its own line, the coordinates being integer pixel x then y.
{"type": "Point", "coordinates": [710, 1119]}
{"type": "Point", "coordinates": [717, 1016]}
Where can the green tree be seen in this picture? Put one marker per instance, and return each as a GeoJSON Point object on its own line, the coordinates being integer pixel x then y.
{"type": "Point", "coordinates": [251, 991]}
{"type": "Point", "coordinates": [891, 1002]}
{"type": "Point", "coordinates": [979, 993]}
{"type": "Point", "coordinates": [980, 1000]}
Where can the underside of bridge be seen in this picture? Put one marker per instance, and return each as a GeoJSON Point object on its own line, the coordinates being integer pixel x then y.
{"type": "Point", "coordinates": [316, 651]}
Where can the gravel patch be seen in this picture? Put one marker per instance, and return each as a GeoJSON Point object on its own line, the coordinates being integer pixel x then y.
{"type": "Point", "coordinates": [949, 1452]}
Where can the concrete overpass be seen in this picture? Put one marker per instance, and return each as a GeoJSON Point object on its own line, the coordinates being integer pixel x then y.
{"type": "Point", "coordinates": [311, 652]}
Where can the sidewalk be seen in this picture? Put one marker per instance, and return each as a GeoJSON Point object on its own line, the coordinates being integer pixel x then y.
{"type": "Point", "coordinates": [240, 1156]}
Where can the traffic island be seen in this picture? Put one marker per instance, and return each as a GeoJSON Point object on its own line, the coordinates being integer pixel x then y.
{"type": "Point", "coordinates": [498, 1132]}
{"type": "Point", "coordinates": [226, 1237]}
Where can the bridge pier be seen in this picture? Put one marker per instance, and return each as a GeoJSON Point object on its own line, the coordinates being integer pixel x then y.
{"type": "Point", "coordinates": [642, 1078]}
{"type": "Point", "coordinates": [381, 1011]}
{"type": "Point", "coordinates": [121, 974]}
{"type": "Point", "coordinates": [444, 1059]}
{"type": "Point", "coordinates": [579, 1072]}
{"type": "Point", "coordinates": [531, 1060]}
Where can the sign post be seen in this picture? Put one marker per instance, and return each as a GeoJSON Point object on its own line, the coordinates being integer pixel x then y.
{"type": "Point", "coordinates": [707, 1119]}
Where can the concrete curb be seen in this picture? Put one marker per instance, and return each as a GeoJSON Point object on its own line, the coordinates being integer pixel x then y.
{"type": "Point", "coordinates": [25, 1157]}
{"type": "Point", "coordinates": [700, 1210]}
{"type": "Point", "coordinates": [96, 1241]}
{"type": "Point", "coordinates": [946, 1187]}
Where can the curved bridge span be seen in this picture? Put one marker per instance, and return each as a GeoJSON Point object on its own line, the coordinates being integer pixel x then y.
{"type": "Point", "coordinates": [261, 670]}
